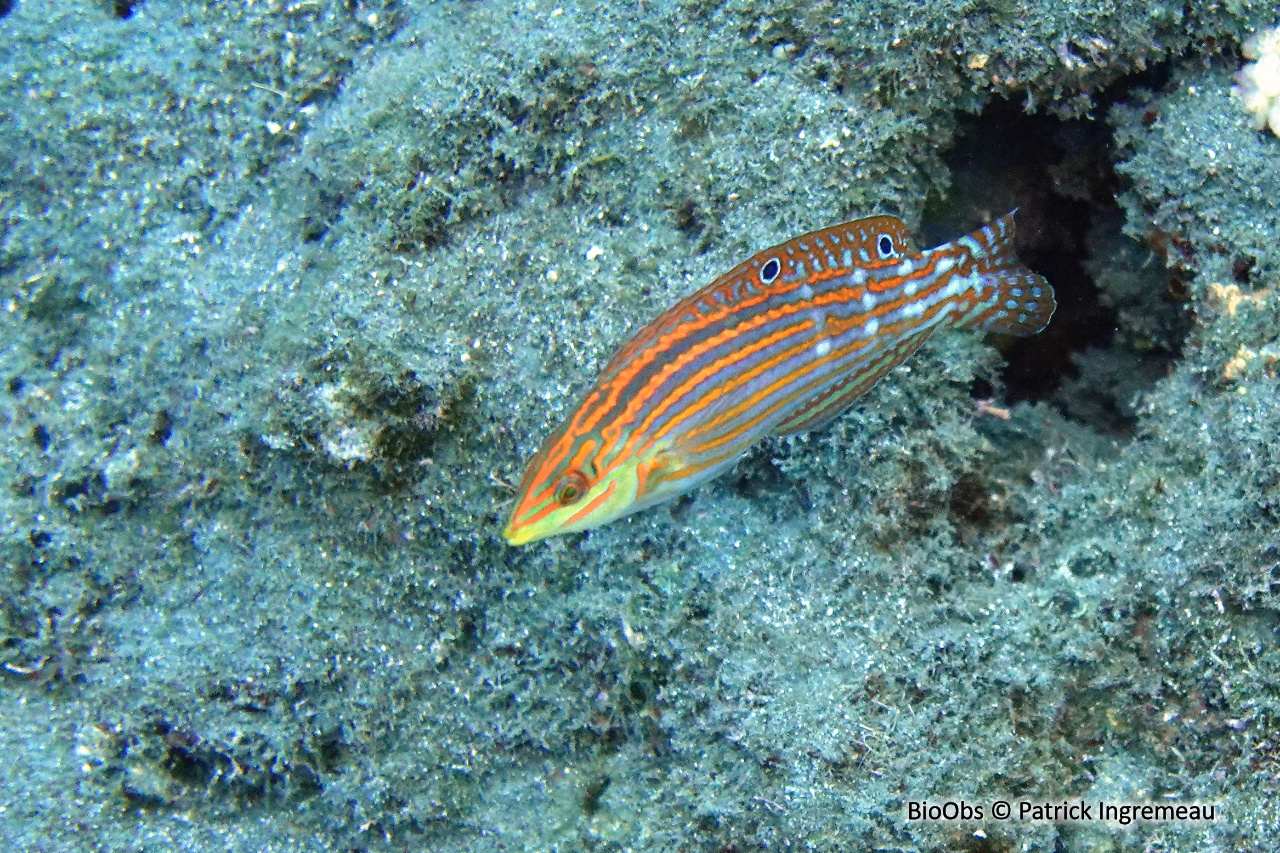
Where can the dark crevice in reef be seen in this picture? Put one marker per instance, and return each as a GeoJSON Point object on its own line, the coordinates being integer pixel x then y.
{"type": "Point", "coordinates": [6, 6]}
{"type": "Point", "coordinates": [1120, 319]}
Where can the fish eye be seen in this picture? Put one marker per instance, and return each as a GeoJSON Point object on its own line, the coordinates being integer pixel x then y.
{"type": "Point", "coordinates": [571, 487]}
{"type": "Point", "coordinates": [885, 245]}
{"type": "Point", "coordinates": [770, 271]}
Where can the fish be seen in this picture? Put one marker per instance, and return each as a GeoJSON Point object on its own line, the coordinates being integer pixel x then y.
{"type": "Point", "coordinates": [781, 344]}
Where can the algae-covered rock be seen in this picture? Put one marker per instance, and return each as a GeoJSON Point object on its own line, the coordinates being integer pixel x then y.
{"type": "Point", "coordinates": [292, 288]}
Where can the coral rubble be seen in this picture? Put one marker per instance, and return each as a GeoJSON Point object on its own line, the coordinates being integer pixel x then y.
{"type": "Point", "coordinates": [1258, 83]}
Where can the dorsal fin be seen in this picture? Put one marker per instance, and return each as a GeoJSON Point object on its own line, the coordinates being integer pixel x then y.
{"type": "Point", "coordinates": [832, 250]}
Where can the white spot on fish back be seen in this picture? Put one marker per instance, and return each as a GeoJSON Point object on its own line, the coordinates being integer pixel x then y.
{"type": "Point", "coordinates": [822, 347]}
{"type": "Point", "coordinates": [975, 248]}
{"type": "Point", "coordinates": [805, 291]}
{"type": "Point", "coordinates": [868, 301]}
{"type": "Point", "coordinates": [859, 276]}
{"type": "Point", "coordinates": [906, 268]}
{"type": "Point", "coordinates": [872, 328]}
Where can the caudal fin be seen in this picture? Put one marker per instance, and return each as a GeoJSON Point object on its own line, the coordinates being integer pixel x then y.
{"type": "Point", "coordinates": [1023, 301]}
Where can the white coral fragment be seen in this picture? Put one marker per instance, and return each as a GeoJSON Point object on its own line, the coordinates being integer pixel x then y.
{"type": "Point", "coordinates": [1258, 83]}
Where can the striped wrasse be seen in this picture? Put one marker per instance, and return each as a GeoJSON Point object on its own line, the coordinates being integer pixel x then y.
{"type": "Point", "coordinates": [782, 343]}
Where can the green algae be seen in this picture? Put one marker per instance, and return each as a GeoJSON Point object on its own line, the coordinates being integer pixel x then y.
{"type": "Point", "coordinates": [256, 445]}
{"type": "Point", "coordinates": [1201, 203]}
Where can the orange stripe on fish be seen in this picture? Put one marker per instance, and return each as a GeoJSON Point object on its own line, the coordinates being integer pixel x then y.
{"type": "Point", "coordinates": [781, 343]}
